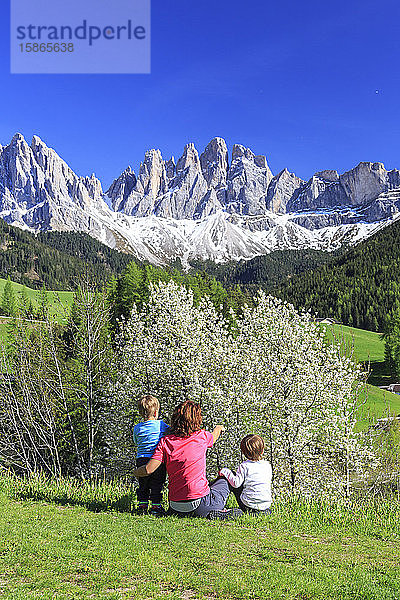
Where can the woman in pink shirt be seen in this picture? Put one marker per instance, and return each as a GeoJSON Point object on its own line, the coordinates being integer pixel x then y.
{"type": "Point", "coordinates": [183, 451]}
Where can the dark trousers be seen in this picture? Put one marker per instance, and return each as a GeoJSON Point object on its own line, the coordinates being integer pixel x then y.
{"type": "Point", "coordinates": [150, 487]}
{"type": "Point", "coordinates": [246, 509]}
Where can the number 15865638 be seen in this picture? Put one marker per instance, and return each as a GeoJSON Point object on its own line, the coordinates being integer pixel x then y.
{"type": "Point", "coordinates": [49, 47]}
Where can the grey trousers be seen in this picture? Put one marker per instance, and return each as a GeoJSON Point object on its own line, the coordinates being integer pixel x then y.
{"type": "Point", "coordinates": [215, 500]}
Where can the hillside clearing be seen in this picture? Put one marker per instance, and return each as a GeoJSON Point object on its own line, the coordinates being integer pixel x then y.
{"type": "Point", "coordinates": [59, 301]}
{"type": "Point", "coordinates": [368, 345]}
{"type": "Point", "coordinates": [369, 348]}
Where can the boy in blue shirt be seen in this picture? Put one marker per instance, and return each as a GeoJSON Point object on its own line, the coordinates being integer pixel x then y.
{"type": "Point", "coordinates": [146, 436]}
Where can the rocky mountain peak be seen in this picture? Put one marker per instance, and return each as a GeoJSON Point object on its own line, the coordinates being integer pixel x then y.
{"type": "Point", "coordinates": [281, 190]}
{"type": "Point", "coordinates": [239, 151]}
{"type": "Point", "coordinates": [328, 175]}
{"type": "Point", "coordinates": [214, 163]}
{"type": "Point", "coordinates": [261, 161]}
{"type": "Point", "coordinates": [248, 180]}
{"type": "Point", "coordinates": [394, 178]}
{"type": "Point", "coordinates": [189, 160]}
{"type": "Point", "coordinates": [121, 188]}
{"type": "Point", "coordinates": [196, 186]}
{"type": "Point", "coordinates": [364, 183]}
{"type": "Point", "coordinates": [37, 142]}
{"type": "Point", "coordinates": [17, 138]}
{"type": "Point", "coordinates": [152, 179]}
{"type": "Point", "coordinates": [18, 151]}
{"type": "Point", "coordinates": [93, 186]}
{"type": "Point", "coordinates": [40, 191]}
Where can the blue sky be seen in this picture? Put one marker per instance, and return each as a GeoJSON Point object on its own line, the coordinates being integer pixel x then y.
{"type": "Point", "coordinates": [313, 85]}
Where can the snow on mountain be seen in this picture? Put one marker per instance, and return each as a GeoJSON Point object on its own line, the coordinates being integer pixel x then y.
{"type": "Point", "coordinates": [201, 207]}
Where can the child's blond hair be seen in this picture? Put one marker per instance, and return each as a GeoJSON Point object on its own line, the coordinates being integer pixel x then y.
{"type": "Point", "coordinates": [148, 406]}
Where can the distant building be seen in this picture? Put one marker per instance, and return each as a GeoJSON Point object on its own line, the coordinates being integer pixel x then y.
{"type": "Point", "coordinates": [386, 422]}
{"type": "Point", "coordinates": [327, 321]}
{"type": "Point", "coordinates": [393, 387]}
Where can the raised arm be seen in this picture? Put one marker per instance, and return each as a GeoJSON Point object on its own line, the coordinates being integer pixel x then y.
{"type": "Point", "coordinates": [218, 429]}
{"type": "Point", "coordinates": [235, 480]}
{"type": "Point", "coordinates": [147, 469]}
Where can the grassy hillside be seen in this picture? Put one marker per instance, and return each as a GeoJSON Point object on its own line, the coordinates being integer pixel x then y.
{"type": "Point", "coordinates": [59, 302]}
{"type": "Point", "coordinates": [378, 403]}
{"type": "Point", "coordinates": [62, 549]}
{"type": "Point", "coordinates": [368, 345]}
{"type": "Point", "coordinates": [368, 348]}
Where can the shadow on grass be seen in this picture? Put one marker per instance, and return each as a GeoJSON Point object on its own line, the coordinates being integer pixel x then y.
{"type": "Point", "coordinates": [125, 504]}
{"type": "Point", "coordinates": [380, 374]}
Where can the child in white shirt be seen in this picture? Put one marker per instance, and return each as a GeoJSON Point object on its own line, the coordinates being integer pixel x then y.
{"type": "Point", "coordinates": [252, 482]}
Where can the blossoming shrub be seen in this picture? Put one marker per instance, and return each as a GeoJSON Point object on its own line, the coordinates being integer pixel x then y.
{"type": "Point", "coordinates": [272, 373]}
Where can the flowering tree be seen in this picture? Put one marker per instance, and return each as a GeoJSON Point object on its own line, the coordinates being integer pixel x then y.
{"type": "Point", "coordinates": [176, 351]}
{"type": "Point", "coordinates": [304, 397]}
{"type": "Point", "coordinates": [274, 375]}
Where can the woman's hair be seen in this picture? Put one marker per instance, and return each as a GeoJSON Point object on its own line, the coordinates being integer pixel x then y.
{"type": "Point", "coordinates": [252, 447]}
{"type": "Point", "coordinates": [148, 406]}
{"type": "Point", "coordinates": [186, 419]}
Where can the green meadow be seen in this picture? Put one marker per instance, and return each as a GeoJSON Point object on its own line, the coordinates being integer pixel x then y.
{"type": "Point", "coordinates": [59, 301]}
{"type": "Point", "coordinates": [368, 348]}
{"type": "Point", "coordinates": [368, 345]}
{"type": "Point", "coordinates": [88, 545]}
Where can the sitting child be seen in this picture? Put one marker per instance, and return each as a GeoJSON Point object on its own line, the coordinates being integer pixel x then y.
{"type": "Point", "coordinates": [146, 436]}
{"type": "Point", "coordinates": [252, 483]}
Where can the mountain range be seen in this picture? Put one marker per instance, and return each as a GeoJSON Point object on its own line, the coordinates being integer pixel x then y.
{"type": "Point", "coordinates": [208, 206]}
